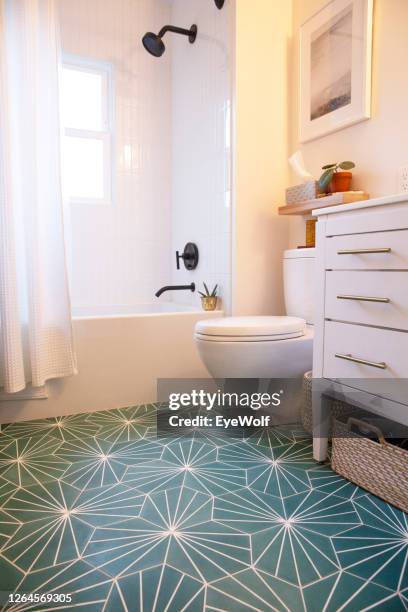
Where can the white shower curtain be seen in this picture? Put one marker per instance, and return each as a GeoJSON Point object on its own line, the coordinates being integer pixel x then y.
{"type": "Point", "coordinates": [35, 319]}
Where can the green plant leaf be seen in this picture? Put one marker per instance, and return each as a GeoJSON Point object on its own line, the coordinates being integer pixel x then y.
{"type": "Point", "coordinates": [214, 291]}
{"type": "Point", "coordinates": [326, 179]}
{"type": "Point", "coordinates": [328, 166]}
{"type": "Point", "coordinates": [206, 290]}
{"type": "Point", "coordinates": [347, 165]}
{"type": "Point", "coordinates": [202, 294]}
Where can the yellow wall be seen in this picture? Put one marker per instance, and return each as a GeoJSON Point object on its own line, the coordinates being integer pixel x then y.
{"type": "Point", "coordinates": [263, 42]}
{"type": "Point", "coordinates": [378, 146]}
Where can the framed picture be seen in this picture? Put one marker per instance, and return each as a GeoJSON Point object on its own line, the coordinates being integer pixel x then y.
{"type": "Point", "coordinates": [335, 68]}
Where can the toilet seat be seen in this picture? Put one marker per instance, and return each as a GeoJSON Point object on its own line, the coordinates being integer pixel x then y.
{"type": "Point", "coordinates": [250, 329]}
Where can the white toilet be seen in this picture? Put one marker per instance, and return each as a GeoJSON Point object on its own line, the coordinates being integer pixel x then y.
{"type": "Point", "coordinates": [266, 347]}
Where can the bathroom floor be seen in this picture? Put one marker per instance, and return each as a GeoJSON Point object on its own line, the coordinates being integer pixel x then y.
{"type": "Point", "coordinates": [95, 506]}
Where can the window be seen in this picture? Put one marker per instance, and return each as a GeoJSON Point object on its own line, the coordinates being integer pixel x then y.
{"type": "Point", "coordinates": [87, 116]}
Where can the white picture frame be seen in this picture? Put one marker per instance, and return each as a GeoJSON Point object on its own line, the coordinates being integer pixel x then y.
{"type": "Point", "coordinates": [335, 68]}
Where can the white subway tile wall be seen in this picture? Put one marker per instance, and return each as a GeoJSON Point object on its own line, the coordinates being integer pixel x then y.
{"type": "Point", "coordinates": [172, 151]}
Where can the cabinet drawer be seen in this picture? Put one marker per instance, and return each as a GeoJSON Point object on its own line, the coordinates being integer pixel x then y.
{"type": "Point", "coordinates": [383, 351]}
{"type": "Point", "coordinates": [376, 251]}
{"type": "Point", "coordinates": [372, 298]}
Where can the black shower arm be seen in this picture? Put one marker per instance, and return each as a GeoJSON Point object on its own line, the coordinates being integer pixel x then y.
{"type": "Point", "coordinates": [175, 29]}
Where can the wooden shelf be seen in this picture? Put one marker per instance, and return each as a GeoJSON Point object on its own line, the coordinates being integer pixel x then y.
{"type": "Point", "coordinates": [306, 207]}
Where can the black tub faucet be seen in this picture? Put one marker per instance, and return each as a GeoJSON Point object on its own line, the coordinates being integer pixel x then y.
{"type": "Point", "coordinates": [191, 288]}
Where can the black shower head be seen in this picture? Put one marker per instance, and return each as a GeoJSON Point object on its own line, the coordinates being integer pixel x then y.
{"type": "Point", "coordinates": [153, 43]}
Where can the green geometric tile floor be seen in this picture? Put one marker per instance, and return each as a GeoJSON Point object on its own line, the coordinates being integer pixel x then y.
{"type": "Point", "coordinates": [97, 506]}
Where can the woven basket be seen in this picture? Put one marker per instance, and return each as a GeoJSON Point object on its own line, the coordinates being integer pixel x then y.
{"type": "Point", "coordinates": [306, 416]}
{"type": "Point", "coordinates": [374, 465]}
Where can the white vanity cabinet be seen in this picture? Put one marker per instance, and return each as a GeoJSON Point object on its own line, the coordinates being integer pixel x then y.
{"type": "Point", "coordinates": [361, 323]}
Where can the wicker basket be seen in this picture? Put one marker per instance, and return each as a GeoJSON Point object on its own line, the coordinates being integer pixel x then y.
{"type": "Point", "coordinates": [375, 465]}
{"type": "Point", "coordinates": [306, 416]}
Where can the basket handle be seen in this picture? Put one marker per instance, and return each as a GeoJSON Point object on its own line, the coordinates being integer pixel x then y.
{"type": "Point", "coordinates": [363, 426]}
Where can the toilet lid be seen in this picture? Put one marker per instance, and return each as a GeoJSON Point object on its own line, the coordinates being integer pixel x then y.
{"type": "Point", "coordinates": [252, 328]}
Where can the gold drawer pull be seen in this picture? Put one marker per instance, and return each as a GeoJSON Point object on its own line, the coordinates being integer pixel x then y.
{"type": "Point", "coordinates": [362, 251]}
{"type": "Point", "coordinates": [358, 298]}
{"type": "Point", "coordinates": [372, 364]}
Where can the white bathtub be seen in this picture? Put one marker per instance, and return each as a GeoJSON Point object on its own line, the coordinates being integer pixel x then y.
{"type": "Point", "coordinates": [121, 352]}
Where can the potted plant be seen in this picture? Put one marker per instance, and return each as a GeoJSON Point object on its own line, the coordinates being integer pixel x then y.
{"type": "Point", "coordinates": [209, 299]}
{"type": "Point", "coordinates": [336, 177]}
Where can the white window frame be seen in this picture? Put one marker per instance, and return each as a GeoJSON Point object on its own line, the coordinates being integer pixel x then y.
{"type": "Point", "coordinates": [105, 70]}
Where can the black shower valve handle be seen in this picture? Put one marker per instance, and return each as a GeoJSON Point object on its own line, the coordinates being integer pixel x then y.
{"type": "Point", "coordinates": [186, 257]}
{"type": "Point", "coordinates": [178, 257]}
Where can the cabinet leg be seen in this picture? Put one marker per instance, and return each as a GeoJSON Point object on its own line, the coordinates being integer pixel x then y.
{"type": "Point", "coordinates": [320, 449]}
{"type": "Point", "coordinates": [321, 422]}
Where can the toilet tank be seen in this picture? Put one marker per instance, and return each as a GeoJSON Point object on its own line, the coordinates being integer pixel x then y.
{"type": "Point", "coordinates": [299, 283]}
